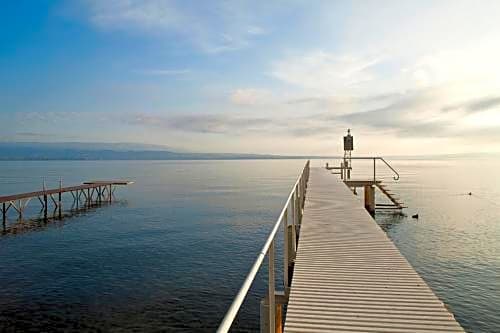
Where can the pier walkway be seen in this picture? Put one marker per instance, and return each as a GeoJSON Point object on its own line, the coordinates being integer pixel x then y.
{"type": "Point", "coordinates": [346, 275]}
{"type": "Point", "coordinates": [349, 276]}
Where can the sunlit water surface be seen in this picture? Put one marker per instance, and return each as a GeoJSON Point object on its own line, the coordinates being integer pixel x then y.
{"type": "Point", "coordinates": [172, 251]}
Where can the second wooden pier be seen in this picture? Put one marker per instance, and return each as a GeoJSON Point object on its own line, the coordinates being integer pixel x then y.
{"type": "Point", "coordinates": [103, 190]}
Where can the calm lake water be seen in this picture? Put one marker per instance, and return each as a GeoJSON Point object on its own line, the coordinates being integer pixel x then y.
{"type": "Point", "coordinates": [172, 251]}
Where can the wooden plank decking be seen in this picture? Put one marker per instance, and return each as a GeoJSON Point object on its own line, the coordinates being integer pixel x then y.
{"type": "Point", "coordinates": [84, 186]}
{"type": "Point", "coordinates": [350, 277]}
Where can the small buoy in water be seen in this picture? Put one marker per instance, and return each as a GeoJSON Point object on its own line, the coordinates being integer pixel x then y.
{"type": "Point", "coordinates": [470, 193]}
{"type": "Point", "coordinates": [415, 216]}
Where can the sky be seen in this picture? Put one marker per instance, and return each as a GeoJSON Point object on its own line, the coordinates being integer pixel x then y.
{"type": "Point", "coordinates": [279, 77]}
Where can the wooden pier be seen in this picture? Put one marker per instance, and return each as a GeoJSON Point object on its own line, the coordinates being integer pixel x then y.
{"type": "Point", "coordinates": [350, 277]}
{"type": "Point", "coordinates": [346, 274]}
{"type": "Point", "coordinates": [87, 192]}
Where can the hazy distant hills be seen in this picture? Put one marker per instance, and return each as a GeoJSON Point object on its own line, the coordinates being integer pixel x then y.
{"type": "Point", "coordinates": [109, 151]}
{"type": "Point", "coordinates": [25, 151]}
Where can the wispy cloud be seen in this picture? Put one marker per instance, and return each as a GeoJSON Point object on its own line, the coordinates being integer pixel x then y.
{"type": "Point", "coordinates": [324, 72]}
{"type": "Point", "coordinates": [476, 105]}
{"type": "Point", "coordinates": [422, 113]}
{"type": "Point", "coordinates": [213, 27]}
{"type": "Point", "coordinates": [250, 96]}
{"type": "Point", "coordinates": [164, 72]}
{"type": "Point", "coordinates": [204, 123]}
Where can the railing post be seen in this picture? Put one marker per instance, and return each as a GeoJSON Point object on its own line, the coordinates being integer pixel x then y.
{"type": "Point", "coordinates": [294, 235]}
{"type": "Point", "coordinates": [286, 242]}
{"type": "Point", "coordinates": [374, 179]}
{"type": "Point", "coordinates": [301, 191]}
{"type": "Point", "coordinates": [271, 290]}
{"type": "Point", "coordinates": [297, 205]}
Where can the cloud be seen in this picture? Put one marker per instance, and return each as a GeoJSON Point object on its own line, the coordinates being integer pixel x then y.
{"type": "Point", "coordinates": [477, 105]}
{"type": "Point", "coordinates": [254, 30]}
{"type": "Point", "coordinates": [213, 27]}
{"type": "Point", "coordinates": [236, 124]}
{"type": "Point", "coordinates": [164, 72]}
{"type": "Point", "coordinates": [46, 117]}
{"type": "Point", "coordinates": [324, 72]}
{"type": "Point", "coordinates": [250, 96]}
{"type": "Point", "coordinates": [33, 135]}
{"type": "Point", "coordinates": [421, 113]}
{"type": "Point", "coordinates": [203, 123]}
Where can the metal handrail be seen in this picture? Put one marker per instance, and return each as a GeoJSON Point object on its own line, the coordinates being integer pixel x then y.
{"type": "Point", "coordinates": [295, 201]}
{"type": "Point", "coordinates": [396, 177]}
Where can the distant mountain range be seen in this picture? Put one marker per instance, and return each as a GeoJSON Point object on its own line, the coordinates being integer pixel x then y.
{"type": "Point", "coordinates": [26, 151]}
{"type": "Point", "coordinates": [35, 151]}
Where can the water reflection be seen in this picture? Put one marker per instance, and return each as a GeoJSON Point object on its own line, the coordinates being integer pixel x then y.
{"type": "Point", "coordinates": [56, 218]}
{"type": "Point", "coordinates": [389, 219]}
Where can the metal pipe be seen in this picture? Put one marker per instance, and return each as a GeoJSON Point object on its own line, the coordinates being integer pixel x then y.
{"type": "Point", "coordinates": [286, 242]}
{"type": "Point", "coordinates": [294, 223]}
{"type": "Point", "coordinates": [396, 177]}
{"type": "Point", "coordinates": [228, 319]}
{"type": "Point", "coordinates": [271, 290]}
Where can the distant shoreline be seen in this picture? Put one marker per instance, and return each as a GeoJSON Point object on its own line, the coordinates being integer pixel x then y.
{"type": "Point", "coordinates": [129, 152]}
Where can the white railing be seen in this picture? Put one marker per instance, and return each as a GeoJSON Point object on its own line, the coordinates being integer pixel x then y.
{"type": "Point", "coordinates": [345, 174]}
{"type": "Point", "coordinates": [293, 207]}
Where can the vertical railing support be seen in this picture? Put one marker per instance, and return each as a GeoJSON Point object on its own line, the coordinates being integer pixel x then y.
{"type": "Point", "coordinates": [299, 217]}
{"type": "Point", "coordinates": [285, 251]}
{"type": "Point", "coordinates": [294, 225]}
{"type": "Point", "coordinates": [271, 290]}
{"type": "Point", "coordinates": [374, 163]}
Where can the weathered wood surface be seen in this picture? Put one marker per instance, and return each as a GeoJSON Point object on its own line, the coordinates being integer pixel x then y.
{"type": "Point", "coordinates": [350, 277]}
{"type": "Point", "coordinates": [86, 185]}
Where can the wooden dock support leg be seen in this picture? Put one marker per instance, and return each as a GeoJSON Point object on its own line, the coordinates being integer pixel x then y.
{"type": "Point", "coordinates": [110, 193]}
{"type": "Point", "coordinates": [59, 204]}
{"type": "Point", "coordinates": [370, 199]}
{"type": "Point", "coordinates": [45, 205]}
{"type": "Point", "coordinates": [4, 213]}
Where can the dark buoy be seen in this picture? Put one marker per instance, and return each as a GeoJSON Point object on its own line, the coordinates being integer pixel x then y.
{"type": "Point", "coordinates": [470, 193]}
{"type": "Point", "coordinates": [415, 216]}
